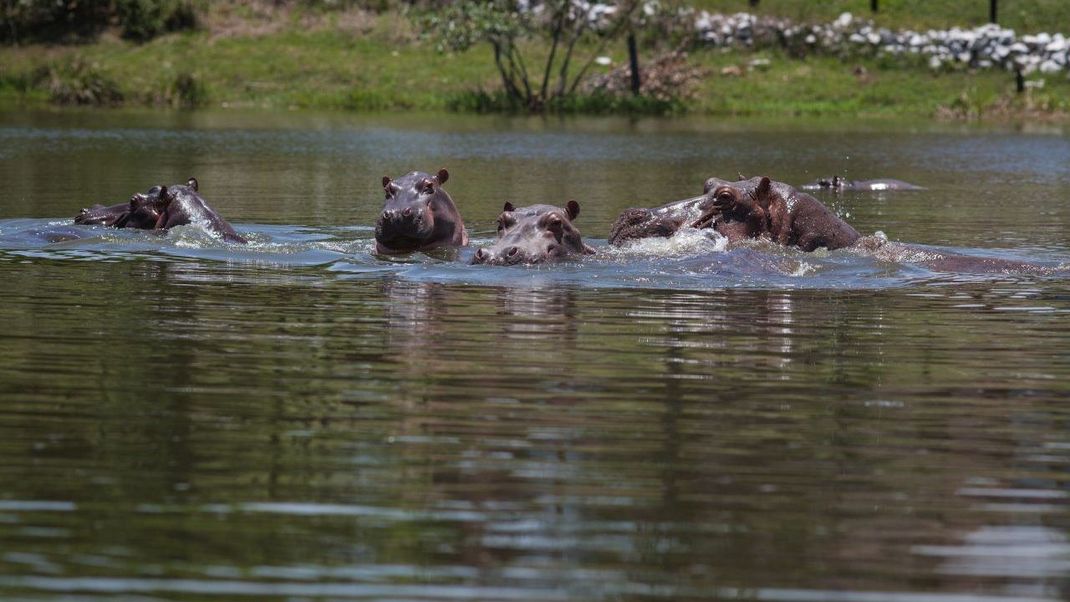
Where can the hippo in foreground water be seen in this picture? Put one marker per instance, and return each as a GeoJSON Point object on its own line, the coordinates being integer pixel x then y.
{"type": "Point", "coordinates": [840, 184]}
{"type": "Point", "coordinates": [535, 234]}
{"type": "Point", "coordinates": [418, 215]}
{"type": "Point", "coordinates": [791, 218]}
{"type": "Point", "coordinates": [179, 205]}
{"type": "Point", "coordinates": [739, 210]}
{"type": "Point", "coordinates": [160, 208]}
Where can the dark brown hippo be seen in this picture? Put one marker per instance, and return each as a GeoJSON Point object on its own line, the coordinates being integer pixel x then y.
{"type": "Point", "coordinates": [734, 223]}
{"type": "Point", "coordinates": [418, 215]}
{"type": "Point", "coordinates": [660, 222]}
{"type": "Point", "coordinates": [535, 234]}
{"type": "Point", "coordinates": [791, 218]}
{"type": "Point", "coordinates": [135, 213]}
{"type": "Point", "coordinates": [839, 184]}
{"type": "Point", "coordinates": [179, 205]}
{"type": "Point", "coordinates": [182, 205]}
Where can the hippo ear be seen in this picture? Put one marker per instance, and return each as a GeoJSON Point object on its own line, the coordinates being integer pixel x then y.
{"type": "Point", "coordinates": [442, 176]}
{"type": "Point", "coordinates": [741, 176]}
{"type": "Point", "coordinates": [386, 182]}
{"type": "Point", "coordinates": [573, 210]}
{"type": "Point", "coordinates": [192, 183]}
{"type": "Point", "coordinates": [765, 187]}
{"type": "Point", "coordinates": [508, 207]}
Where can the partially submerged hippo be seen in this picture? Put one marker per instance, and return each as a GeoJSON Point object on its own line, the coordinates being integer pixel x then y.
{"type": "Point", "coordinates": [135, 213]}
{"type": "Point", "coordinates": [180, 205]}
{"type": "Point", "coordinates": [747, 208]}
{"type": "Point", "coordinates": [791, 218]}
{"type": "Point", "coordinates": [418, 215]}
{"type": "Point", "coordinates": [160, 208]}
{"type": "Point", "coordinates": [636, 222]}
{"type": "Point", "coordinates": [839, 184]}
{"type": "Point", "coordinates": [535, 234]}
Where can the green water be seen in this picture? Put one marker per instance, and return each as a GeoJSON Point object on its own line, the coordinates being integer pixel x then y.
{"type": "Point", "coordinates": [301, 420]}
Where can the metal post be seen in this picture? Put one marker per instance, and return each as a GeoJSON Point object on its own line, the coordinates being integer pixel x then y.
{"type": "Point", "coordinates": [633, 62]}
{"type": "Point", "coordinates": [754, 3]}
{"type": "Point", "coordinates": [873, 5]}
{"type": "Point", "coordinates": [1019, 80]}
{"type": "Point", "coordinates": [992, 11]}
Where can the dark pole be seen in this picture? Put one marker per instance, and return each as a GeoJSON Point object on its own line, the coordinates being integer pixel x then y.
{"type": "Point", "coordinates": [754, 3]}
{"type": "Point", "coordinates": [1019, 80]}
{"type": "Point", "coordinates": [992, 11]}
{"type": "Point", "coordinates": [873, 5]}
{"type": "Point", "coordinates": [633, 62]}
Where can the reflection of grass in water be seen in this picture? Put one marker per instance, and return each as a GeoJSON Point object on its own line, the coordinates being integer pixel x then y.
{"type": "Point", "coordinates": [378, 71]}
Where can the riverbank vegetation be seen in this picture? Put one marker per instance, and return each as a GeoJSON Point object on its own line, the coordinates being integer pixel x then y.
{"type": "Point", "coordinates": [384, 56]}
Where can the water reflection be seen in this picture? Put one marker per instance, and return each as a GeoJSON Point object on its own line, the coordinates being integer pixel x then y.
{"type": "Point", "coordinates": [302, 419]}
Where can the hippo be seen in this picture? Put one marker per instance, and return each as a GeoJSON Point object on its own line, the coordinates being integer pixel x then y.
{"type": "Point", "coordinates": [840, 184]}
{"type": "Point", "coordinates": [791, 218]}
{"type": "Point", "coordinates": [418, 215]}
{"type": "Point", "coordinates": [179, 205]}
{"type": "Point", "coordinates": [137, 213]}
{"type": "Point", "coordinates": [534, 234]}
{"type": "Point", "coordinates": [664, 221]}
{"type": "Point", "coordinates": [733, 223]}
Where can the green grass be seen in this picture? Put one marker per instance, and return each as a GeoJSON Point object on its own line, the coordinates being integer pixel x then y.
{"type": "Point", "coordinates": [1024, 16]}
{"type": "Point", "coordinates": [383, 70]}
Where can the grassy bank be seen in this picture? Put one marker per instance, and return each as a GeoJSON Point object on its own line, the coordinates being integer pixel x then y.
{"type": "Point", "coordinates": [363, 62]}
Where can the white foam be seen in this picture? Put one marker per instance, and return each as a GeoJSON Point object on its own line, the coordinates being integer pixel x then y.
{"type": "Point", "coordinates": [685, 243]}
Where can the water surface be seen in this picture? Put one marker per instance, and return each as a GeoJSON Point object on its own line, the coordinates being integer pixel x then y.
{"type": "Point", "coordinates": [301, 419]}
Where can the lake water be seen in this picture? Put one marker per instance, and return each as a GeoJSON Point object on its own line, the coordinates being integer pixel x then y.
{"type": "Point", "coordinates": [299, 419]}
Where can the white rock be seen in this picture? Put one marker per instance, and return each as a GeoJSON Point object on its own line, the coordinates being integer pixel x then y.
{"type": "Point", "coordinates": [1050, 67]}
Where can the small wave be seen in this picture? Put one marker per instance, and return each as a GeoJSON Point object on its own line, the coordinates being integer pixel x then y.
{"type": "Point", "coordinates": [686, 242]}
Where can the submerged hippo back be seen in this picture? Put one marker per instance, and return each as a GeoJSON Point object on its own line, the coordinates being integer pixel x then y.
{"type": "Point", "coordinates": [838, 184]}
{"type": "Point", "coordinates": [535, 234]}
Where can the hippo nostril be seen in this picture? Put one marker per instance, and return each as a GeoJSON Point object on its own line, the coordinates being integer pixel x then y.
{"type": "Point", "coordinates": [481, 256]}
{"type": "Point", "coordinates": [512, 251]}
{"type": "Point", "coordinates": [407, 212]}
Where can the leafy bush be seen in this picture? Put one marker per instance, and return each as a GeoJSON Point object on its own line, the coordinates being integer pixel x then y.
{"type": "Point", "coordinates": [67, 20]}
{"type": "Point", "coordinates": [78, 83]}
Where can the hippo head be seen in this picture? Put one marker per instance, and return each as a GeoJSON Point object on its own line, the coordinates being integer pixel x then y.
{"type": "Point", "coordinates": [100, 215]}
{"type": "Point", "coordinates": [141, 212]}
{"type": "Point", "coordinates": [636, 222]}
{"type": "Point", "coordinates": [407, 222]}
{"type": "Point", "coordinates": [535, 234]}
{"type": "Point", "coordinates": [168, 204]}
